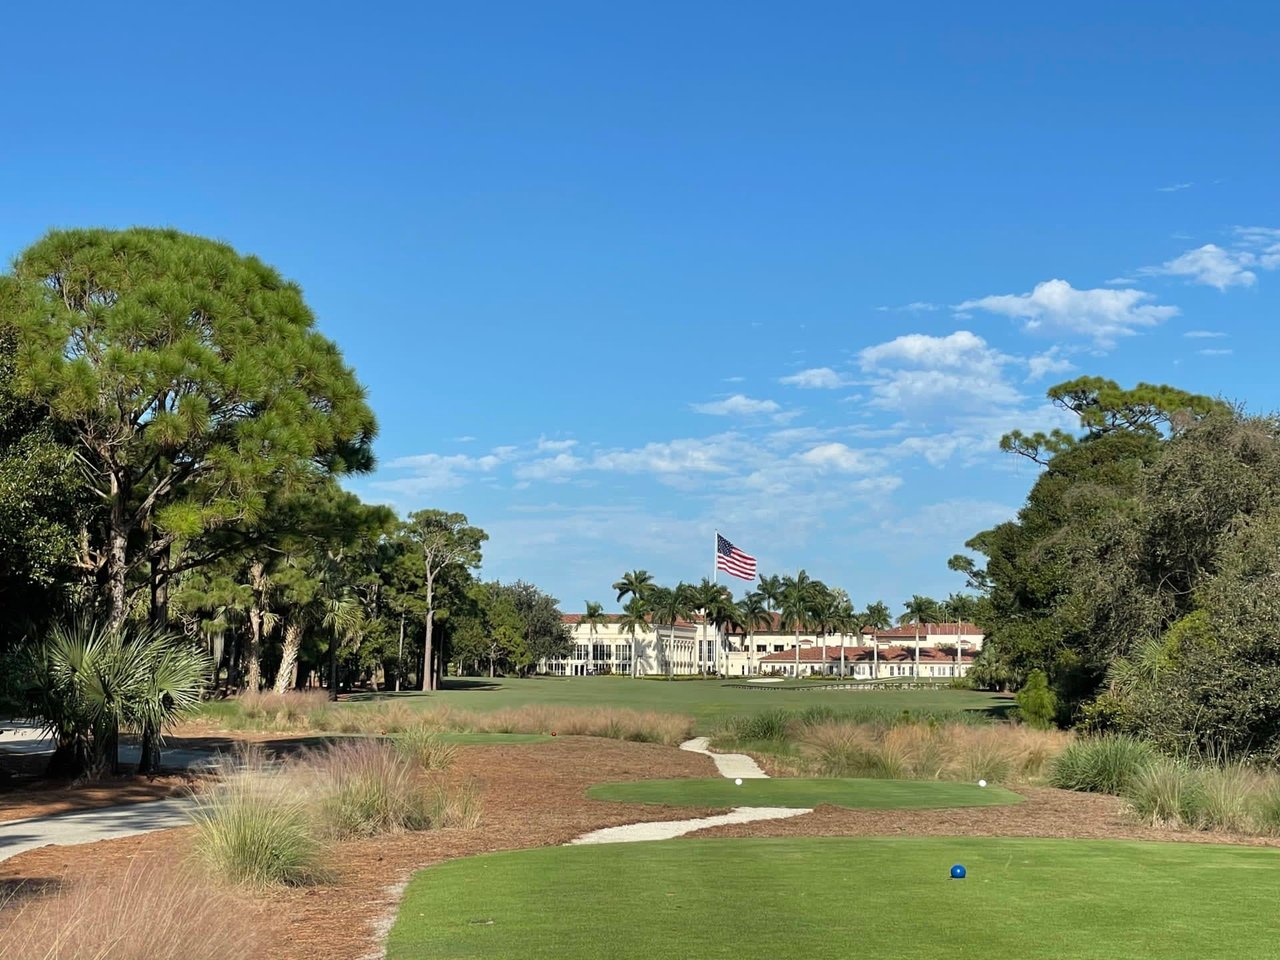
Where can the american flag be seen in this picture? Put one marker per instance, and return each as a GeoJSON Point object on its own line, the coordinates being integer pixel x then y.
{"type": "Point", "coordinates": [733, 561]}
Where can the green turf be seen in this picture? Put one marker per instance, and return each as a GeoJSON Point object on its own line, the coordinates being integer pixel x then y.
{"type": "Point", "coordinates": [707, 701]}
{"type": "Point", "coordinates": [840, 898]}
{"type": "Point", "coordinates": [789, 792]}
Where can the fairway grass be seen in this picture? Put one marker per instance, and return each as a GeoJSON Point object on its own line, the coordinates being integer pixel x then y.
{"type": "Point", "coordinates": [837, 898]}
{"type": "Point", "coordinates": [788, 792]}
{"type": "Point", "coordinates": [708, 701]}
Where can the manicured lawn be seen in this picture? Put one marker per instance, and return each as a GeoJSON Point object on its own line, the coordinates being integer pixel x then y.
{"type": "Point", "coordinates": [708, 701]}
{"type": "Point", "coordinates": [839, 898]}
{"type": "Point", "coordinates": [788, 792]}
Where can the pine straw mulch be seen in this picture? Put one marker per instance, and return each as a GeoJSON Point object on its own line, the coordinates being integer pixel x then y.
{"type": "Point", "coordinates": [533, 795]}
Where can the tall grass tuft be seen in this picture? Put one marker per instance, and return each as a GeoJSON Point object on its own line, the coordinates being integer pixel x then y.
{"type": "Point", "coordinates": [364, 787]}
{"type": "Point", "coordinates": [146, 915]}
{"type": "Point", "coordinates": [1167, 793]}
{"type": "Point", "coordinates": [1266, 807]}
{"type": "Point", "coordinates": [1229, 794]}
{"type": "Point", "coordinates": [423, 747]}
{"type": "Point", "coordinates": [455, 808]}
{"type": "Point", "coordinates": [1107, 764]}
{"type": "Point", "coordinates": [254, 827]}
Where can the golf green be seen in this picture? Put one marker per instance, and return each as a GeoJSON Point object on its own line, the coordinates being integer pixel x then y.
{"type": "Point", "coordinates": [840, 898]}
{"type": "Point", "coordinates": [792, 792]}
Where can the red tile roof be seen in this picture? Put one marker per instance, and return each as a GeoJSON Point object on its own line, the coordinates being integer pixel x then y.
{"type": "Point", "coordinates": [868, 654]}
{"type": "Point", "coordinates": [909, 630]}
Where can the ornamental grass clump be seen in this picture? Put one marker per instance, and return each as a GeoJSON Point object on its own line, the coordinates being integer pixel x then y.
{"type": "Point", "coordinates": [424, 747]}
{"type": "Point", "coordinates": [1108, 764]}
{"type": "Point", "coordinates": [1167, 793]}
{"type": "Point", "coordinates": [254, 827]}
{"type": "Point", "coordinates": [362, 788]}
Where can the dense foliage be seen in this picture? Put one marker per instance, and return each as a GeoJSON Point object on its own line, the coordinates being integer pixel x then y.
{"type": "Point", "coordinates": [1143, 572]}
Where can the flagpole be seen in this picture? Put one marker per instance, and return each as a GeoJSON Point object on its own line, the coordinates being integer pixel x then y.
{"type": "Point", "coordinates": [715, 578]}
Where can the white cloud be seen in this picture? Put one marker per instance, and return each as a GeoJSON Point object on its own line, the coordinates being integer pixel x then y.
{"type": "Point", "coordinates": [816, 378]}
{"type": "Point", "coordinates": [1260, 245]}
{"type": "Point", "coordinates": [556, 469]}
{"type": "Point", "coordinates": [1220, 352]}
{"type": "Point", "coordinates": [838, 456]}
{"type": "Point", "coordinates": [545, 445]}
{"type": "Point", "coordinates": [1098, 313]}
{"type": "Point", "coordinates": [916, 306]}
{"type": "Point", "coordinates": [1043, 364]}
{"type": "Point", "coordinates": [737, 405]}
{"type": "Point", "coordinates": [1210, 265]}
{"type": "Point", "coordinates": [676, 457]}
{"type": "Point", "coordinates": [434, 471]}
{"type": "Point", "coordinates": [1204, 334]}
{"type": "Point", "coordinates": [930, 378]}
{"type": "Point", "coordinates": [954, 519]}
{"type": "Point", "coordinates": [1175, 187]}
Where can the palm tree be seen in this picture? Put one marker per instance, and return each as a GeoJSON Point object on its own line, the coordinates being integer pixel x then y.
{"type": "Point", "coordinates": [919, 610]}
{"type": "Point", "coordinates": [714, 601]}
{"type": "Point", "coordinates": [957, 608]}
{"type": "Point", "coordinates": [796, 605]}
{"type": "Point", "coordinates": [770, 589]}
{"type": "Point", "coordinates": [594, 618]}
{"type": "Point", "coordinates": [669, 605]}
{"type": "Point", "coordinates": [637, 583]}
{"type": "Point", "coordinates": [838, 616]}
{"type": "Point", "coordinates": [877, 616]}
{"type": "Point", "coordinates": [634, 618]}
{"type": "Point", "coordinates": [753, 612]}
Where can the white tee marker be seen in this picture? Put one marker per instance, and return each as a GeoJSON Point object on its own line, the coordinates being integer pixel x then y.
{"type": "Point", "coordinates": [738, 781]}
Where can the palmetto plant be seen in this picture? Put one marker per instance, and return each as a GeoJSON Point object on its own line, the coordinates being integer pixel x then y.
{"type": "Point", "coordinates": [88, 681]}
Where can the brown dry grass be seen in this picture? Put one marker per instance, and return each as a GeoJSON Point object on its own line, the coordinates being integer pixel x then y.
{"type": "Point", "coordinates": [312, 711]}
{"type": "Point", "coordinates": [143, 914]}
{"type": "Point", "coordinates": [919, 751]}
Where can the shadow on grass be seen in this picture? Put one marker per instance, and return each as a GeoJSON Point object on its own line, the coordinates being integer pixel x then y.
{"type": "Point", "coordinates": [15, 890]}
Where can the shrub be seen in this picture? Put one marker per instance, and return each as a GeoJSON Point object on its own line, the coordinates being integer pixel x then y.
{"type": "Point", "coordinates": [1037, 704]}
{"type": "Point", "coordinates": [1167, 793]}
{"type": "Point", "coordinates": [363, 787]}
{"type": "Point", "coordinates": [253, 827]}
{"type": "Point", "coordinates": [766, 725]}
{"type": "Point", "coordinates": [423, 747]}
{"type": "Point", "coordinates": [146, 915]}
{"type": "Point", "coordinates": [1101, 764]}
{"type": "Point", "coordinates": [293, 708]}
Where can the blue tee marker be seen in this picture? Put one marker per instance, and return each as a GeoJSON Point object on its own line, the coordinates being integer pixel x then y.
{"type": "Point", "coordinates": [957, 872]}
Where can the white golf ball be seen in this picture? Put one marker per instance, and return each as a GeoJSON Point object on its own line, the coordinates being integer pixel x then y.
{"type": "Point", "coordinates": [738, 781]}
{"type": "Point", "coordinates": [982, 783]}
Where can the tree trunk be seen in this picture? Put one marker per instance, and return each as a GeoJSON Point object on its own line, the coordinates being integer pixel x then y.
{"type": "Point", "coordinates": [289, 656]}
{"type": "Point", "coordinates": [333, 667]}
{"type": "Point", "coordinates": [428, 661]}
{"type": "Point", "coordinates": [149, 757]}
{"type": "Point", "coordinates": [400, 655]}
{"type": "Point", "coordinates": [257, 613]}
{"type": "Point", "coordinates": [160, 587]}
{"type": "Point", "coordinates": [117, 547]}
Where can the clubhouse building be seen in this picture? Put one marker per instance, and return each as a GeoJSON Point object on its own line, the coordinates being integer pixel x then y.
{"type": "Point", "coordinates": [929, 651]}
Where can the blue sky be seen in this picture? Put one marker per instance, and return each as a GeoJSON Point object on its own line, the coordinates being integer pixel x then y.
{"type": "Point", "coordinates": [617, 276]}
